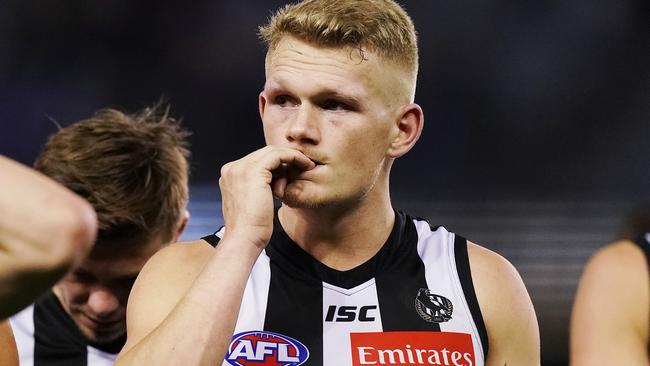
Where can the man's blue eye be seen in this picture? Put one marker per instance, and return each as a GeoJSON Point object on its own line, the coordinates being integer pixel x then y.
{"type": "Point", "coordinates": [334, 105]}
{"type": "Point", "coordinates": [281, 99]}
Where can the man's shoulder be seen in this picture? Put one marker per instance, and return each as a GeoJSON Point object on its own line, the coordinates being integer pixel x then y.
{"type": "Point", "coordinates": [618, 258]}
{"type": "Point", "coordinates": [493, 275]}
{"type": "Point", "coordinates": [505, 305]}
{"type": "Point", "coordinates": [485, 260]}
{"type": "Point", "coordinates": [183, 254]}
{"type": "Point", "coordinates": [176, 266]}
{"type": "Point", "coordinates": [618, 269]}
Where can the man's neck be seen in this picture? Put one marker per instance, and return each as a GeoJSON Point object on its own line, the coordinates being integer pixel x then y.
{"type": "Point", "coordinates": [340, 238]}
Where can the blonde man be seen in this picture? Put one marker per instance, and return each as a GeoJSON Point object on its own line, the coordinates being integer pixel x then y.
{"type": "Point", "coordinates": [337, 277]}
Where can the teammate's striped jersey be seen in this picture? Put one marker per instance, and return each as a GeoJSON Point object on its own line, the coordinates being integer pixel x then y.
{"type": "Point", "coordinates": [413, 303]}
{"type": "Point", "coordinates": [47, 336]}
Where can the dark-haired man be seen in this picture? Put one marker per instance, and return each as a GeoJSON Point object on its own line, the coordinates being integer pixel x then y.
{"type": "Point", "coordinates": [133, 170]}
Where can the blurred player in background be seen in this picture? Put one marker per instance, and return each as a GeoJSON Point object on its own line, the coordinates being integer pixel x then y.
{"type": "Point", "coordinates": [133, 170]}
{"type": "Point", "coordinates": [610, 322]}
{"type": "Point", "coordinates": [45, 231]}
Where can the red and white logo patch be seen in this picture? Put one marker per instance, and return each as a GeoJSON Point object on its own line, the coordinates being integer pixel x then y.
{"type": "Point", "coordinates": [412, 348]}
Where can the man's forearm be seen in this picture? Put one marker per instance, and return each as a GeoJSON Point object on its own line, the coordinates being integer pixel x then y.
{"type": "Point", "coordinates": [45, 230]}
{"type": "Point", "coordinates": [199, 328]}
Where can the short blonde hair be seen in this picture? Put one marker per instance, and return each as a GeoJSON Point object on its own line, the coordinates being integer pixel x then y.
{"type": "Point", "coordinates": [380, 26]}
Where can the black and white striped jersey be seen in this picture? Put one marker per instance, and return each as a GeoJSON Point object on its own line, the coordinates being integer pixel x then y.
{"type": "Point", "coordinates": [413, 303]}
{"type": "Point", "coordinates": [47, 336]}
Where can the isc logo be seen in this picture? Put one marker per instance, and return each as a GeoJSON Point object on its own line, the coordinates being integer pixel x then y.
{"type": "Point", "coordinates": [350, 313]}
{"type": "Point", "coordinates": [265, 348]}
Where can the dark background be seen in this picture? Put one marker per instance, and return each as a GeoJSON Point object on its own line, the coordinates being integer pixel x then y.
{"type": "Point", "coordinates": [537, 135]}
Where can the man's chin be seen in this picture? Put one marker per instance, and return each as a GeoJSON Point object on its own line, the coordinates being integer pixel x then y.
{"type": "Point", "coordinates": [299, 199]}
{"type": "Point", "coordinates": [101, 337]}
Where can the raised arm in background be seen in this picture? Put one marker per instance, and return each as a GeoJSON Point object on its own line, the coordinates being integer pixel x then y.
{"type": "Point", "coordinates": [45, 230]}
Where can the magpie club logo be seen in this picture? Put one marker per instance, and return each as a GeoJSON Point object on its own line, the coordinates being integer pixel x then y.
{"type": "Point", "coordinates": [262, 348]}
{"type": "Point", "coordinates": [433, 308]}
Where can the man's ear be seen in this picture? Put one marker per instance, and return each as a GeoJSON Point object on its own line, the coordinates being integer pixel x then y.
{"type": "Point", "coordinates": [409, 127]}
{"type": "Point", "coordinates": [262, 103]}
{"type": "Point", "coordinates": [182, 224]}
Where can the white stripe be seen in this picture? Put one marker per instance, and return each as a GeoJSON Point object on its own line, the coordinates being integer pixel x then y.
{"type": "Point", "coordinates": [253, 307]}
{"type": "Point", "coordinates": [436, 248]}
{"type": "Point", "coordinates": [22, 325]}
{"type": "Point", "coordinates": [336, 335]}
{"type": "Point", "coordinates": [99, 358]}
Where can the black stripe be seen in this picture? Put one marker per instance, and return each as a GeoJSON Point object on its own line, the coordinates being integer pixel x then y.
{"type": "Point", "coordinates": [57, 341]}
{"type": "Point", "coordinates": [465, 276]}
{"type": "Point", "coordinates": [399, 282]}
{"type": "Point", "coordinates": [642, 243]}
{"type": "Point", "coordinates": [212, 239]}
{"type": "Point", "coordinates": [301, 261]}
{"type": "Point", "coordinates": [295, 309]}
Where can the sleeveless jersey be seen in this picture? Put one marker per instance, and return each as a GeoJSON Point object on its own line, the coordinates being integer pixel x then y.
{"type": "Point", "coordinates": [47, 336]}
{"type": "Point", "coordinates": [413, 303]}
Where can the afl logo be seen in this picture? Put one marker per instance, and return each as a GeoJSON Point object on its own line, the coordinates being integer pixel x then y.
{"type": "Point", "coordinates": [433, 308]}
{"type": "Point", "coordinates": [261, 348]}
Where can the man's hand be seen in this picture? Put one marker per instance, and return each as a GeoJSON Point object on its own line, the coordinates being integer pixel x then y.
{"type": "Point", "coordinates": [247, 189]}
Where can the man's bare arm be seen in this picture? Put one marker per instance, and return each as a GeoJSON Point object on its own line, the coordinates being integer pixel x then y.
{"type": "Point", "coordinates": [45, 230]}
{"type": "Point", "coordinates": [184, 305]}
{"type": "Point", "coordinates": [609, 324]}
{"type": "Point", "coordinates": [513, 332]}
{"type": "Point", "coordinates": [8, 351]}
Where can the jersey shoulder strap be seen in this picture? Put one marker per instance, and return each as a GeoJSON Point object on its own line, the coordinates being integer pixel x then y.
{"type": "Point", "coordinates": [214, 238]}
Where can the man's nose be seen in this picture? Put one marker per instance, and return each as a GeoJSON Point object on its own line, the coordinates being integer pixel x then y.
{"type": "Point", "coordinates": [303, 126]}
{"type": "Point", "coordinates": [102, 301]}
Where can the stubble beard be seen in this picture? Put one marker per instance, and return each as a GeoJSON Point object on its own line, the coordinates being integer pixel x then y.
{"type": "Point", "coordinates": [297, 197]}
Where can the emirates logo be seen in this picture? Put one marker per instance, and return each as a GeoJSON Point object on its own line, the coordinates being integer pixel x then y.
{"type": "Point", "coordinates": [433, 308]}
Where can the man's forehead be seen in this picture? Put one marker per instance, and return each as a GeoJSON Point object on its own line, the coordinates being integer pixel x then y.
{"type": "Point", "coordinates": [114, 260]}
{"type": "Point", "coordinates": [290, 47]}
{"type": "Point", "coordinates": [131, 255]}
{"type": "Point", "coordinates": [113, 266]}
{"type": "Point", "coordinates": [345, 62]}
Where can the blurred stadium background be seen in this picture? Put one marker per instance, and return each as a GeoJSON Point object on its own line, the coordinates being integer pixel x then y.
{"type": "Point", "coordinates": [537, 136]}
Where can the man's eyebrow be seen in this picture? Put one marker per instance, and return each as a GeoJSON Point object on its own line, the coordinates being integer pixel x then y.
{"type": "Point", "coordinates": [81, 270]}
{"type": "Point", "coordinates": [332, 94]}
{"type": "Point", "coordinates": [273, 86]}
{"type": "Point", "coordinates": [131, 276]}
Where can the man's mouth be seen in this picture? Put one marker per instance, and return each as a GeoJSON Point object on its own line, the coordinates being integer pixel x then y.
{"type": "Point", "coordinates": [100, 323]}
